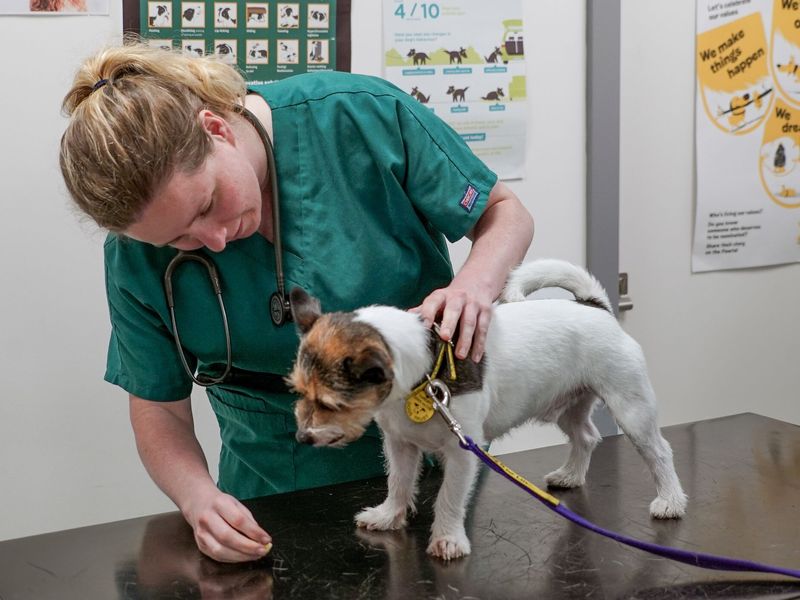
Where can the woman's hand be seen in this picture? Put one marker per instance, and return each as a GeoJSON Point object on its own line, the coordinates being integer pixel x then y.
{"type": "Point", "coordinates": [500, 238]}
{"type": "Point", "coordinates": [224, 528]}
{"type": "Point", "coordinates": [468, 308]}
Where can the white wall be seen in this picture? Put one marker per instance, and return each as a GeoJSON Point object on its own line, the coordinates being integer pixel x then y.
{"type": "Point", "coordinates": [66, 451]}
{"type": "Point", "coordinates": [67, 457]}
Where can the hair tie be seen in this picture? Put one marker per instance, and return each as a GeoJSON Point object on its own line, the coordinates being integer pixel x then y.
{"type": "Point", "coordinates": [99, 84]}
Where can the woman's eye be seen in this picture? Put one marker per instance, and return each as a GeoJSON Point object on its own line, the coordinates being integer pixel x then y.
{"type": "Point", "coordinates": [207, 209]}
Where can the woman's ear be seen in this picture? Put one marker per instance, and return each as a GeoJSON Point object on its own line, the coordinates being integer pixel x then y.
{"type": "Point", "coordinates": [215, 126]}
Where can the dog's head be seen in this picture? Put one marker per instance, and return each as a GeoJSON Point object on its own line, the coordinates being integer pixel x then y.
{"type": "Point", "coordinates": [342, 373]}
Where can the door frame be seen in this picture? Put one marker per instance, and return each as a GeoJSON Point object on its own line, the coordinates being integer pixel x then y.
{"type": "Point", "coordinates": [603, 35]}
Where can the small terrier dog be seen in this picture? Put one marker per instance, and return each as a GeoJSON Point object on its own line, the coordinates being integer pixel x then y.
{"type": "Point", "coordinates": [546, 360]}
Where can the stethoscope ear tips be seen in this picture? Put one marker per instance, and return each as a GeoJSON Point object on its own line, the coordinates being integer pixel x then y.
{"type": "Point", "coordinates": [279, 309]}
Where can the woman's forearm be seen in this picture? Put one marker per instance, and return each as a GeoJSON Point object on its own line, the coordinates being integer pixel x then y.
{"type": "Point", "coordinates": [500, 239]}
{"type": "Point", "coordinates": [168, 447]}
{"type": "Point", "coordinates": [224, 528]}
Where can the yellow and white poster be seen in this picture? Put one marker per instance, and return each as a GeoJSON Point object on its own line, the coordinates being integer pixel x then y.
{"type": "Point", "coordinates": [747, 134]}
{"type": "Point", "coordinates": [465, 61]}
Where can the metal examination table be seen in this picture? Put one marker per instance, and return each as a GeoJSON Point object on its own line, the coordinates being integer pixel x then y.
{"type": "Point", "coordinates": [742, 474]}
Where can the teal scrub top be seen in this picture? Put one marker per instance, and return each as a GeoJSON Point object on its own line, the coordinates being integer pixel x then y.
{"type": "Point", "coordinates": [371, 183]}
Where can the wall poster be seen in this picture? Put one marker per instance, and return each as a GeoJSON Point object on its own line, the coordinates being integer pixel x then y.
{"type": "Point", "coordinates": [464, 60]}
{"type": "Point", "coordinates": [747, 134]}
{"type": "Point", "coordinates": [54, 7]}
{"type": "Point", "coordinates": [267, 41]}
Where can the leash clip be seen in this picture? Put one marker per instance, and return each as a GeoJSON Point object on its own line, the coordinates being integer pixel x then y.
{"type": "Point", "coordinates": [435, 389]}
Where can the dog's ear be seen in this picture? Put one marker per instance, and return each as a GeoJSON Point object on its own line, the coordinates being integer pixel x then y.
{"type": "Point", "coordinates": [370, 367]}
{"type": "Point", "coordinates": [305, 309]}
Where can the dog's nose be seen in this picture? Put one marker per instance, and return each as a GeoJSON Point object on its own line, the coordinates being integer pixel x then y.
{"type": "Point", "coordinates": [303, 437]}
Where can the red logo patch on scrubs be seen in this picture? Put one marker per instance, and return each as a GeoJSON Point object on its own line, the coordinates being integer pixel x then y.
{"type": "Point", "coordinates": [470, 196]}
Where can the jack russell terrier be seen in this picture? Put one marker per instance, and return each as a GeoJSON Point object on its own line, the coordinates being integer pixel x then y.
{"type": "Point", "coordinates": [546, 360]}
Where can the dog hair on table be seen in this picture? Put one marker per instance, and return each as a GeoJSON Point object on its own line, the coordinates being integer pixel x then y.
{"type": "Point", "coordinates": [546, 360]}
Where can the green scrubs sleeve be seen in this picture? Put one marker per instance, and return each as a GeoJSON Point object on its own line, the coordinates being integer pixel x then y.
{"type": "Point", "coordinates": [141, 354]}
{"type": "Point", "coordinates": [445, 181]}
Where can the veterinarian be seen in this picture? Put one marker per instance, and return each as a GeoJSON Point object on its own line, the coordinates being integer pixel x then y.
{"type": "Point", "coordinates": [158, 152]}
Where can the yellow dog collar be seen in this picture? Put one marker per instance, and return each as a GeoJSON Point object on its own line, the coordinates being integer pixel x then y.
{"type": "Point", "coordinates": [419, 406]}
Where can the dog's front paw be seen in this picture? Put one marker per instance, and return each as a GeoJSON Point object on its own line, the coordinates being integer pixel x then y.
{"type": "Point", "coordinates": [668, 508]}
{"type": "Point", "coordinates": [563, 478]}
{"type": "Point", "coordinates": [448, 547]}
{"type": "Point", "coordinates": [381, 518]}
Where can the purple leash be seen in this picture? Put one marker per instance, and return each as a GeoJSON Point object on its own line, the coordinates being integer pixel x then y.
{"type": "Point", "coordinates": [697, 559]}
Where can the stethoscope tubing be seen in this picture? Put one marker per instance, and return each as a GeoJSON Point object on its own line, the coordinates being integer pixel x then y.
{"type": "Point", "coordinates": [279, 307]}
{"type": "Point", "coordinates": [180, 258]}
{"type": "Point", "coordinates": [276, 208]}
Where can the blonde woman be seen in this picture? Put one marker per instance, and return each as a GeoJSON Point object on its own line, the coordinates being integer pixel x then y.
{"type": "Point", "coordinates": [164, 152]}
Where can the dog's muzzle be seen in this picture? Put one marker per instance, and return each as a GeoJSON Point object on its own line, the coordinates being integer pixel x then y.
{"type": "Point", "coordinates": [320, 438]}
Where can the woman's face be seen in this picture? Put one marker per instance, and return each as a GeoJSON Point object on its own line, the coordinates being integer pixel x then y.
{"type": "Point", "coordinates": [216, 204]}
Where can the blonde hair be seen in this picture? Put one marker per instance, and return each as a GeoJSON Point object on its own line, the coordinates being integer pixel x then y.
{"type": "Point", "coordinates": [128, 135]}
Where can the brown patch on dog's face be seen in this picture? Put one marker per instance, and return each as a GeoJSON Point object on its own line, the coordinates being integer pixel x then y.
{"type": "Point", "coordinates": [342, 374]}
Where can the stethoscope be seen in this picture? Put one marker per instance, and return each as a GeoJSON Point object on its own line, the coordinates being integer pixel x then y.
{"type": "Point", "coordinates": [279, 307]}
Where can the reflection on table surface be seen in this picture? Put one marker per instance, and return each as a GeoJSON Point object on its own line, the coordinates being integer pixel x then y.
{"type": "Point", "coordinates": [742, 474]}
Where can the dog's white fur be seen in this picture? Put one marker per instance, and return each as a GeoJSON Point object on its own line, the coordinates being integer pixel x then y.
{"type": "Point", "coordinates": [546, 360]}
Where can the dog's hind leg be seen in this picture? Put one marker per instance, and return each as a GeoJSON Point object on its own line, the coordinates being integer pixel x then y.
{"type": "Point", "coordinates": [448, 535]}
{"type": "Point", "coordinates": [403, 461]}
{"type": "Point", "coordinates": [576, 423]}
{"type": "Point", "coordinates": [635, 411]}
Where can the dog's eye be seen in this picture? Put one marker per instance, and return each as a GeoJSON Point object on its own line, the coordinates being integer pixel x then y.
{"type": "Point", "coordinates": [323, 407]}
{"type": "Point", "coordinates": [346, 365]}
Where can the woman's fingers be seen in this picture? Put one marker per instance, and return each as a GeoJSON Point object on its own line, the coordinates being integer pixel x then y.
{"type": "Point", "coordinates": [240, 518]}
{"type": "Point", "coordinates": [479, 339]}
{"type": "Point", "coordinates": [461, 312]}
{"type": "Point", "coordinates": [226, 531]}
{"type": "Point", "coordinates": [430, 307]}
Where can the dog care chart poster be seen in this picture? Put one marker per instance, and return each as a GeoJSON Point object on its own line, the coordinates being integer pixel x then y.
{"type": "Point", "coordinates": [465, 61]}
{"type": "Point", "coordinates": [267, 41]}
{"type": "Point", "coordinates": [747, 134]}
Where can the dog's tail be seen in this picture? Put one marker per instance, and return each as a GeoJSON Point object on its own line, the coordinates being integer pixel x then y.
{"type": "Point", "coordinates": [549, 272]}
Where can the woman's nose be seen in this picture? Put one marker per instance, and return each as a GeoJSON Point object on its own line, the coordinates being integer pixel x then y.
{"type": "Point", "coordinates": [213, 237]}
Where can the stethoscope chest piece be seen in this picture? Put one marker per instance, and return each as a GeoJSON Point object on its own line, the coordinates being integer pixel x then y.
{"type": "Point", "coordinates": [279, 309]}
